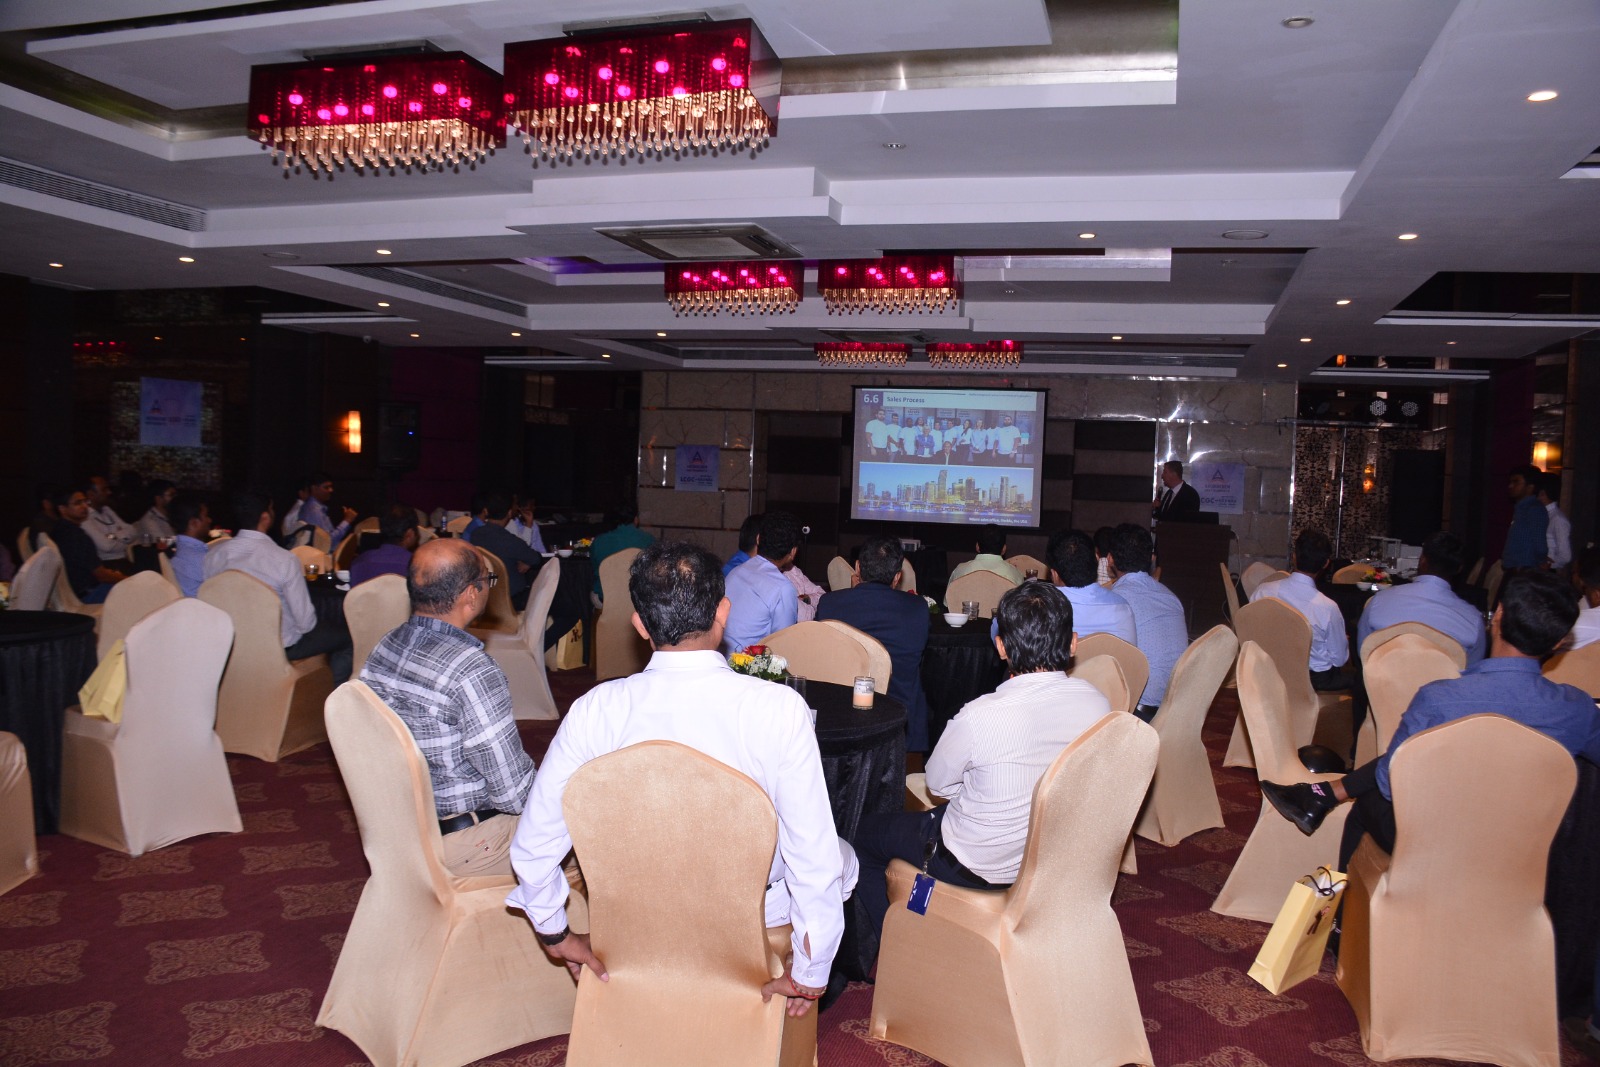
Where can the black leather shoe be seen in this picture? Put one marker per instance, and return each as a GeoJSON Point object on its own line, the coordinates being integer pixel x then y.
{"type": "Point", "coordinates": [1300, 804]}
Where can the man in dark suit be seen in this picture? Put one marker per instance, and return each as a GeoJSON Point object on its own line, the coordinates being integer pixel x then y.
{"type": "Point", "coordinates": [875, 605]}
{"type": "Point", "coordinates": [1178, 501]}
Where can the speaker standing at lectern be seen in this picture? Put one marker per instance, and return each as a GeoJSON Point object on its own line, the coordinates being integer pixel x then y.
{"type": "Point", "coordinates": [1178, 501]}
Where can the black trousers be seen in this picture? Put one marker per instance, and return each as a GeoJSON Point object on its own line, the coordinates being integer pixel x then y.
{"type": "Point", "coordinates": [1371, 814]}
{"type": "Point", "coordinates": [330, 638]}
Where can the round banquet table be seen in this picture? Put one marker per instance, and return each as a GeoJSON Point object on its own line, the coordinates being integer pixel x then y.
{"type": "Point", "coordinates": [572, 596]}
{"type": "Point", "coordinates": [45, 657]}
{"type": "Point", "coordinates": [959, 664]}
{"type": "Point", "coordinates": [327, 600]}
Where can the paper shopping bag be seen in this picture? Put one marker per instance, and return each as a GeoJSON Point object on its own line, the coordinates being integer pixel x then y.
{"type": "Point", "coordinates": [569, 650]}
{"type": "Point", "coordinates": [101, 696]}
{"type": "Point", "coordinates": [1293, 949]}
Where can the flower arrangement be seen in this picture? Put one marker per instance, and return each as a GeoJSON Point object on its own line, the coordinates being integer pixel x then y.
{"type": "Point", "coordinates": [1377, 575]}
{"type": "Point", "coordinates": [758, 662]}
{"type": "Point", "coordinates": [583, 542]}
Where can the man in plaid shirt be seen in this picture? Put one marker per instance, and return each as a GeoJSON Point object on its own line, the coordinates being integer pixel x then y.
{"type": "Point", "coordinates": [457, 704]}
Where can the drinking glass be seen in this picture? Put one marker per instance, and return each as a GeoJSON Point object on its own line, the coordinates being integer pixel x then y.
{"type": "Point", "coordinates": [970, 607]}
{"type": "Point", "coordinates": [797, 683]}
{"type": "Point", "coordinates": [1031, 573]}
{"type": "Point", "coordinates": [312, 570]}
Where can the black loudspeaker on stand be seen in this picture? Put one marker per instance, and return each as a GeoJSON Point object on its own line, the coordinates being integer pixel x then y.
{"type": "Point", "coordinates": [399, 437]}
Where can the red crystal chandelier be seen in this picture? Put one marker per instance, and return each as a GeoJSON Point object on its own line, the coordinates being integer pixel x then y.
{"type": "Point", "coordinates": [983, 356]}
{"type": "Point", "coordinates": [861, 354]}
{"type": "Point", "coordinates": [754, 288]}
{"type": "Point", "coordinates": [434, 109]}
{"type": "Point", "coordinates": [888, 285]}
{"type": "Point", "coordinates": [711, 85]}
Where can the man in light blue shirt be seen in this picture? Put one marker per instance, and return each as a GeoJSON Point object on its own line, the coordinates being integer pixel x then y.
{"type": "Point", "coordinates": [314, 512]}
{"type": "Point", "coordinates": [1074, 569]}
{"type": "Point", "coordinates": [1429, 600]}
{"type": "Point", "coordinates": [191, 519]}
{"type": "Point", "coordinates": [1157, 614]}
{"type": "Point", "coordinates": [763, 600]}
{"type": "Point", "coordinates": [749, 537]}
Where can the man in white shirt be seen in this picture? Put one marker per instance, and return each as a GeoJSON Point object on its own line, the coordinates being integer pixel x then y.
{"type": "Point", "coordinates": [523, 525]}
{"type": "Point", "coordinates": [877, 436]}
{"type": "Point", "coordinates": [763, 600]}
{"type": "Point", "coordinates": [255, 553]}
{"type": "Point", "coordinates": [1586, 631]}
{"type": "Point", "coordinates": [988, 760]}
{"type": "Point", "coordinates": [688, 694]}
{"type": "Point", "coordinates": [1005, 439]}
{"type": "Point", "coordinates": [1558, 533]}
{"type": "Point", "coordinates": [1428, 599]}
{"type": "Point", "coordinates": [1330, 646]}
{"type": "Point", "coordinates": [111, 536]}
{"type": "Point", "coordinates": [291, 518]}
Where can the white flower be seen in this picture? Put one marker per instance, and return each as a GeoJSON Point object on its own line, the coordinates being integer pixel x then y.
{"type": "Point", "coordinates": [779, 664]}
{"type": "Point", "coordinates": [932, 603]}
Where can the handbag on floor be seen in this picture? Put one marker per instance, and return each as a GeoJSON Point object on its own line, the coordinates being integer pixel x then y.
{"type": "Point", "coordinates": [1293, 949]}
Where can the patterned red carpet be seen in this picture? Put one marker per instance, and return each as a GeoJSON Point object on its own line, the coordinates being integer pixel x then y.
{"type": "Point", "coordinates": [221, 948]}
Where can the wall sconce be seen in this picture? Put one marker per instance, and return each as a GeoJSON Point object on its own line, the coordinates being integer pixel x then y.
{"type": "Point", "coordinates": [1368, 482]}
{"type": "Point", "coordinates": [352, 432]}
{"type": "Point", "coordinates": [1546, 455]}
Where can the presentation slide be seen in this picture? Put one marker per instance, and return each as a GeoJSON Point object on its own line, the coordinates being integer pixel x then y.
{"type": "Point", "coordinates": [963, 456]}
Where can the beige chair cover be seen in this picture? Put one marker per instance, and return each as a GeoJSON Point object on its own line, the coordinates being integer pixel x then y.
{"type": "Point", "coordinates": [1027, 563]}
{"type": "Point", "coordinates": [322, 541]}
{"type": "Point", "coordinates": [131, 600]}
{"type": "Point", "coordinates": [1491, 582]}
{"type": "Point", "coordinates": [35, 581]}
{"type": "Point", "coordinates": [458, 524]}
{"type": "Point", "coordinates": [1105, 674]}
{"type": "Point", "coordinates": [879, 665]}
{"type": "Point", "coordinates": [1580, 668]}
{"type": "Point", "coordinates": [19, 859]}
{"type": "Point", "coordinates": [521, 655]}
{"type": "Point", "coordinates": [434, 969]}
{"type": "Point", "coordinates": [618, 649]}
{"type": "Point", "coordinates": [1283, 633]}
{"type": "Point", "coordinates": [1447, 949]}
{"type": "Point", "coordinates": [1277, 852]}
{"type": "Point", "coordinates": [1037, 974]}
{"type": "Point", "coordinates": [268, 706]}
{"type": "Point", "coordinates": [908, 576]}
{"type": "Point", "coordinates": [1475, 572]}
{"type": "Point", "coordinates": [1355, 572]}
{"type": "Point", "coordinates": [167, 572]}
{"type": "Point", "coordinates": [986, 587]}
{"type": "Point", "coordinates": [498, 617]}
{"type": "Point", "coordinates": [687, 954]}
{"type": "Point", "coordinates": [350, 547]}
{"type": "Point", "coordinates": [62, 598]}
{"type": "Point", "coordinates": [24, 545]}
{"type": "Point", "coordinates": [309, 555]}
{"type": "Point", "coordinates": [817, 650]}
{"type": "Point", "coordinates": [372, 609]}
{"type": "Point", "coordinates": [1183, 796]}
{"type": "Point", "coordinates": [1448, 645]}
{"type": "Point", "coordinates": [159, 776]}
{"type": "Point", "coordinates": [1230, 592]}
{"type": "Point", "coordinates": [1254, 575]}
{"type": "Point", "coordinates": [839, 573]}
{"type": "Point", "coordinates": [1394, 671]}
{"type": "Point", "coordinates": [1135, 668]}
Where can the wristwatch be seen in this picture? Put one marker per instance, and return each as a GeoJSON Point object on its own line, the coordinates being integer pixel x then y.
{"type": "Point", "coordinates": [554, 939]}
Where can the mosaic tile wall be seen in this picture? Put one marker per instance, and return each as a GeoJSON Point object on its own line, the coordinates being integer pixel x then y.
{"type": "Point", "coordinates": [190, 468]}
{"type": "Point", "coordinates": [1328, 457]}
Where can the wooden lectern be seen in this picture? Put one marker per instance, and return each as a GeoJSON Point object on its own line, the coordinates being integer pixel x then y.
{"type": "Point", "coordinates": [1188, 553]}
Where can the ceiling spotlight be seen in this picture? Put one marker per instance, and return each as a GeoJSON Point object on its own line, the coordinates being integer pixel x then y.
{"type": "Point", "coordinates": [416, 335]}
{"type": "Point", "coordinates": [58, 266]}
{"type": "Point", "coordinates": [1086, 236]}
{"type": "Point", "coordinates": [1298, 22]}
{"type": "Point", "coordinates": [605, 355]}
{"type": "Point", "coordinates": [1408, 237]}
{"type": "Point", "coordinates": [1244, 235]}
{"type": "Point", "coordinates": [157, 337]}
{"type": "Point", "coordinates": [1542, 95]}
{"type": "Point", "coordinates": [185, 259]}
{"type": "Point", "coordinates": [384, 252]}
{"type": "Point", "coordinates": [1116, 337]}
{"type": "Point", "coordinates": [1283, 366]}
{"type": "Point", "coordinates": [1449, 342]}
{"type": "Point", "coordinates": [894, 146]}
{"type": "Point", "coordinates": [383, 303]}
{"type": "Point", "coordinates": [1305, 340]}
{"type": "Point", "coordinates": [661, 333]}
{"type": "Point", "coordinates": [516, 333]}
{"type": "Point", "coordinates": [1342, 303]}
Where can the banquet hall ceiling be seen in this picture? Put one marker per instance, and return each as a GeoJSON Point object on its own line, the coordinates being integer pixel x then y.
{"type": "Point", "coordinates": [1155, 127]}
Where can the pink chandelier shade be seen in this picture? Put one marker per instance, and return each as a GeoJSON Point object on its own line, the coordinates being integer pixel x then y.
{"type": "Point", "coordinates": [890, 284]}
{"type": "Point", "coordinates": [861, 354]}
{"type": "Point", "coordinates": [757, 287]}
{"type": "Point", "coordinates": [984, 355]}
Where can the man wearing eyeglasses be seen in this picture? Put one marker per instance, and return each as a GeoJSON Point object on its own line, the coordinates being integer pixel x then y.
{"type": "Point", "coordinates": [457, 704]}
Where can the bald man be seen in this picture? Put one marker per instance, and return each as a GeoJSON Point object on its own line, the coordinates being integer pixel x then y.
{"type": "Point", "coordinates": [457, 704]}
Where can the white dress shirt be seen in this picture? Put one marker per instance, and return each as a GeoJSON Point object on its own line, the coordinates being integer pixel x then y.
{"type": "Point", "coordinates": [759, 728]}
{"type": "Point", "coordinates": [153, 525]}
{"type": "Point", "coordinates": [111, 536]}
{"type": "Point", "coordinates": [1005, 439]}
{"type": "Point", "coordinates": [804, 587]}
{"type": "Point", "coordinates": [1429, 600]}
{"type": "Point", "coordinates": [1587, 629]}
{"type": "Point", "coordinates": [993, 753]}
{"type": "Point", "coordinates": [291, 518]}
{"type": "Point", "coordinates": [908, 439]}
{"type": "Point", "coordinates": [529, 535]}
{"type": "Point", "coordinates": [260, 557]}
{"type": "Point", "coordinates": [1558, 537]}
{"type": "Point", "coordinates": [1330, 647]}
{"type": "Point", "coordinates": [763, 603]}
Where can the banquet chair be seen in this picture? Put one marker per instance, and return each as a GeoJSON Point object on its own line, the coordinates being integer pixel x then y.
{"type": "Point", "coordinates": [310, 556]}
{"type": "Point", "coordinates": [457, 525]}
{"type": "Point", "coordinates": [817, 650]}
{"type": "Point", "coordinates": [1443, 642]}
{"type": "Point", "coordinates": [1135, 668]}
{"type": "Point", "coordinates": [521, 655]}
{"type": "Point", "coordinates": [1580, 668]}
{"type": "Point", "coordinates": [1283, 633]}
{"type": "Point", "coordinates": [351, 545]}
{"type": "Point", "coordinates": [1350, 575]}
{"type": "Point", "coordinates": [879, 665]}
{"type": "Point", "coordinates": [165, 562]}
{"type": "Point", "coordinates": [618, 649]}
{"type": "Point", "coordinates": [498, 617]}
{"type": "Point", "coordinates": [435, 969]}
{"type": "Point", "coordinates": [1491, 583]}
{"type": "Point", "coordinates": [159, 775]}
{"type": "Point", "coordinates": [1183, 795]}
{"type": "Point", "coordinates": [1475, 573]}
{"type": "Point", "coordinates": [1447, 950]}
{"type": "Point", "coordinates": [322, 541]}
{"type": "Point", "coordinates": [62, 597]}
{"type": "Point", "coordinates": [269, 705]}
{"type": "Point", "coordinates": [19, 857]}
{"type": "Point", "coordinates": [129, 601]}
{"type": "Point", "coordinates": [1016, 977]}
{"type": "Point", "coordinates": [908, 577]}
{"type": "Point", "coordinates": [986, 587]}
{"type": "Point", "coordinates": [1105, 674]}
{"type": "Point", "coordinates": [1394, 671]}
{"type": "Point", "coordinates": [1230, 592]}
{"type": "Point", "coordinates": [685, 992]}
{"type": "Point", "coordinates": [1024, 564]}
{"type": "Point", "coordinates": [35, 581]}
{"type": "Point", "coordinates": [371, 610]}
{"type": "Point", "coordinates": [839, 574]}
{"type": "Point", "coordinates": [24, 545]}
{"type": "Point", "coordinates": [1277, 852]}
{"type": "Point", "coordinates": [1254, 575]}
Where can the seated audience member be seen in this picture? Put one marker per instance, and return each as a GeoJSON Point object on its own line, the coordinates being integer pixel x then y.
{"type": "Point", "coordinates": [192, 519]}
{"type": "Point", "coordinates": [749, 534]}
{"type": "Point", "coordinates": [398, 529]}
{"type": "Point", "coordinates": [90, 576]}
{"type": "Point", "coordinates": [624, 534]}
{"type": "Point", "coordinates": [989, 758]}
{"type": "Point", "coordinates": [1074, 569]}
{"type": "Point", "coordinates": [478, 508]}
{"type": "Point", "coordinates": [523, 525]}
{"type": "Point", "coordinates": [111, 536]}
{"type": "Point", "coordinates": [763, 600]}
{"type": "Point", "coordinates": [1586, 631]}
{"type": "Point", "coordinates": [1330, 645]}
{"type": "Point", "coordinates": [1158, 618]}
{"type": "Point", "coordinates": [456, 702]}
{"type": "Point", "coordinates": [155, 524]}
{"type": "Point", "coordinates": [875, 605]}
{"type": "Point", "coordinates": [521, 562]}
{"type": "Point", "coordinates": [1428, 599]}
{"type": "Point", "coordinates": [254, 552]}
{"type": "Point", "coordinates": [687, 693]}
{"type": "Point", "coordinates": [291, 517]}
{"type": "Point", "coordinates": [807, 592]}
{"type": "Point", "coordinates": [1536, 611]}
{"type": "Point", "coordinates": [991, 549]}
{"type": "Point", "coordinates": [314, 512]}
{"type": "Point", "coordinates": [45, 519]}
{"type": "Point", "coordinates": [1102, 551]}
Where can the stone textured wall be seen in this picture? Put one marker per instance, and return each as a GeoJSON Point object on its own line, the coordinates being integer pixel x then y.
{"type": "Point", "coordinates": [1228, 422]}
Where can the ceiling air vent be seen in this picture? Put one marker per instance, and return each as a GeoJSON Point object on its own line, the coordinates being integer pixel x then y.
{"type": "Point", "coordinates": [1588, 167]}
{"type": "Point", "coordinates": [743, 241]}
{"type": "Point", "coordinates": [106, 197]}
{"type": "Point", "coordinates": [422, 284]}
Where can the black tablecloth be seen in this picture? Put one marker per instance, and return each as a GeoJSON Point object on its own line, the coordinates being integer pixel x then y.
{"type": "Point", "coordinates": [1571, 896]}
{"type": "Point", "coordinates": [45, 657]}
{"type": "Point", "coordinates": [958, 665]}
{"type": "Point", "coordinates": [572, 597]}
{"type": "Point", "coordinates": [327, 600]}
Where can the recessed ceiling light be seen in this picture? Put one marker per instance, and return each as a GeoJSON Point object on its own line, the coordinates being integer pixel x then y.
{"type": "Point", "coordinates": [1086, 236]}
{"type": "Point", "coordinates": [1116, 337]}
{"type": "Point", "coordinates": [1298, 22]}
{"type": "Point", "coordinates": [1305, 340]}
{"type": "Point", "coordinates": [605, 355]}
{"type": "Point", "coordinates": [1244, 235]}
{"type": "Point", "coordinates": [58, 266]}
{"type": "Point", "coordinates": [383, 303]}
{"type": "Point", "coordinates": [384, 252]}
{"type": "Point", "coordinates": [1283, 366]}
{"type": "Point", "coordinates": [1408, 237]}
{"type": "Point", "coordinates": [416, 335]}
{"type": "Point", "coordinates": [516, 333]}
{"type": "Point", "coordinates": [1449, 342]}
{"type": "Point", "coordinates": [185, 259]}
{"type": "Point", "coordinates": [894, 146]}
{"type": "Point", "coordinates": [1542, 95]}
{"type": "Point", "coordinates": [157, 337]}
{"type": "Point", "coordinates": [1342, 303]}
{"type": "Point", "coordinates": [661, 333]}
